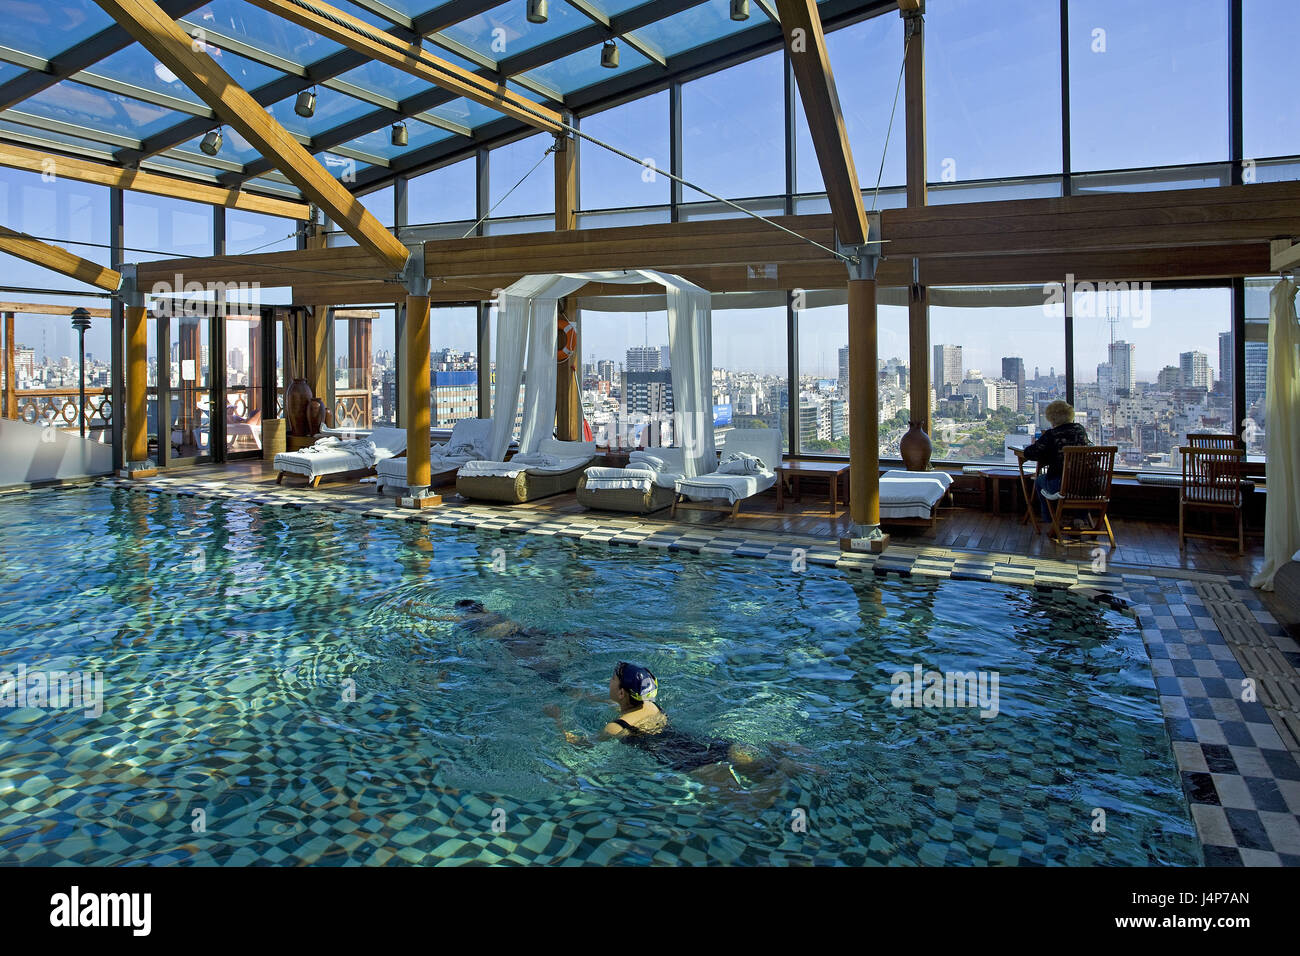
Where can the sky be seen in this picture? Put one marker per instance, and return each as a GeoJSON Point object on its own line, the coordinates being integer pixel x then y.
{"type": "Point", "coordinates": [1148, 87]}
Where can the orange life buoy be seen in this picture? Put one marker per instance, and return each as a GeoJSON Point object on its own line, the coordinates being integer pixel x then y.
{"type": "Point", "coordinates": [566, 339]}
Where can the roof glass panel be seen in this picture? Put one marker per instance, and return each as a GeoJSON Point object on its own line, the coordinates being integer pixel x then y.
{"type": "Point", "coordinates": [137, 66]}
{"type": "Point", "coordinates": [163, 162]}
{"type": "Point", "coordinates": [362, 14]}
{"type": "Point", "coordinates": [332, 109]}
{"type": "Point", "coordinates": [384, 80]}
{"type": "Point", "coordinates": [706, 23]}
{"type": "Point", "coordinates": [8, 71]}
{"type": "Point", "coordinates": [275, 186]}
{"type": "Point", "coordinates": [612, 8]}
{"type": "Point", "coordinates": [379, 142]}
{"type": "Point", "coordinates": [93, 109]}
{"type": "Point", "coordinates": [465, 112]}
{"type": "Point", "coordinates": [47, 29]}
{"type": "Point", "coordinates": [504, 31]}
{"type": "Point", "coordinates": [19, 133]}
{"type": "Point", "coordinates": [254, 26]}
{"type": "Point", "coordinates": [344, 168]}
{"type": "Point", "coordinates": [412, 8]}
{"type": "Point", "coordinates": [583, 68]}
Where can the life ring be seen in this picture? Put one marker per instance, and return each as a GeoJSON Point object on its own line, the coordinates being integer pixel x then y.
{"type": "Point", "coordinates": [566, 339]}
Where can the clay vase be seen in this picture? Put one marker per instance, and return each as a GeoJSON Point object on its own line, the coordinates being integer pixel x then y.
{"type": "Point", "coordinates": [296, 397]}
{"type": "Point", "coordinates": [915, 448]}
{"type": "Point", "coordinates": [315, 415]}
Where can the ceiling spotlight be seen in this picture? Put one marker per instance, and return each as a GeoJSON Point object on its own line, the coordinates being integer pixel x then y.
{"type": "Point", "coordinates": [399, 134]}
{"type": "Point", "coordinates": [212, 142]}
{"type": "Point", "coordinates": [740, 9]}
{"type": "Point", "coordinates": [536, 11]}
{"type": "Point", "coordinates": [609, 55]}
{"type": "Point", "coordinates": [306, 103]}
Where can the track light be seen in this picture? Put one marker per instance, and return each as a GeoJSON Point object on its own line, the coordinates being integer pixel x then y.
{"type": "Point", "coordinates": [399, 134]}
{"type": "Point", "coordinates": [212, 142]}
{"type": "Point", "coordinates": [740, 9]}
{"type": "Point", "coordinates": [609, 55]}
{"type": "Point", "coordinates": [536, 11]}
{"type": "Point", "coordinates": [306, 103]}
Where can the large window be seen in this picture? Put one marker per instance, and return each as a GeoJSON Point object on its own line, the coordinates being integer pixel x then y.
{"type": "Point", "coordinates": [160, 228]}
{"type": "Point", "coordinates": [750, 378]}
{"type": "Point", "coordinates": [1149, 369]}
{"type": "Point", "coordinates": [732, 130]}
{"type": "Point", "coordinates": [1270, 68]}
{"type": "Point", "coordinates": [1148, 83]}
{"type": "Point", "coordinates": [446, 194]}
{"type": "Point", "coordinates": [608, 181]}
{"type": "Point", "coordinates": [1255, 425]}
{"type": "Point", "coordinates": [250, 232]}
{"type": "Point", "coordinates": [454, 364]}
{"type": "Point", "coordinates": [521, 178]}
{"type": "Point", "coordinates": [627, 395]}
{"type": "Point", "coordinates": [997, 359]}
{"type": "Point", "coordinates": [993, 89]}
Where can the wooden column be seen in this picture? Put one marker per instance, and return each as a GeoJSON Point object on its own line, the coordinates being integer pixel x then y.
{"type": "Point", "coordinates": [418, 405]}
{"type": "Point", "coordinates": [137, 380]}
{"type": "Point", "coordinates": [11, 370]}
{"type": "Point", "coordinates": [864, 385]}
{"type": "Point", "coordinates": [918, 310]}
{"type": "Point", "coordinates": [568, 398]}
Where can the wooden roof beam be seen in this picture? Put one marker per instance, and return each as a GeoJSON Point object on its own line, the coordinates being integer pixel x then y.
{"type": "Point", "coordinates": [160, 35]}
{"type": "Point", "coordinates": [58, 259]}
{"type": "Point", "coordinates": [806, 44]}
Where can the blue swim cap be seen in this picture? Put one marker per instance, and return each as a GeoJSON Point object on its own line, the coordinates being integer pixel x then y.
{"type": "Point", "coordinates": [639, 683]}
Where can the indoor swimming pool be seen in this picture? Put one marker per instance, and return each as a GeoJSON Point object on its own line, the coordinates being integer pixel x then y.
{"type": "Point", "coordinates": [283, 687]}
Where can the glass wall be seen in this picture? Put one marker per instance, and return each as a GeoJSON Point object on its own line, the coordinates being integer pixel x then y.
{"type": "Point", "coordinates": [1148, 83]}
{"type": "Point", "coordinates": [627, 396]}
{"type": "Point", "coordinates": [750, 370]}
{"type": "Point", "coordinates": [454, 364]}
{"type": "Point", "coordinates": [607, 180]}
{"type": "Point", "coordinates": [1149, 369]}
{"type": "Point", "coordinates": [1254, 426]}
{"type": "Point", "coordinates": [443, 195]}
{"type": "Point", "coordinates": [1270, 122]}
{"type": "Point", "coordinates": [521, 178]}
{"type": "Point", "coordinates": [732, 124]}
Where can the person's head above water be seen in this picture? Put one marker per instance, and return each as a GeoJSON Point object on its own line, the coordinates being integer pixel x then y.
{"type": "Point", "coordinates": [468, 606]}
{"type": "Point", "coordinates": [632, 685]}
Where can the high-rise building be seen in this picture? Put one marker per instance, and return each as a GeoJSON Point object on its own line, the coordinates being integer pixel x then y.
{"type": "Point", "coordinates": [1256, 372]}
{"type": "Point", "coordinates": [648, 393]}
{"type": "Point", "coordinates": [808, 421]}
{"type": "Point", "coordinates": [844, 369]}
{"type": "Point", "coordinates": [647, 358]}
{"type": "Point", "coordinates": [1013, 370]}
{"type": "Point", "coordinates": [1169, 378]}
{"type": "Point", "coordinates": [1227, 359]}
{"type": "Point", "coordinates": [947, 369]}
{"type": "Point", "coordinates": [605, 370]}
{"type": "Point", "coordinates": [1123, 380]}
{"type": "Point", "coordinates": [455, 396]}
{"type": "Point", "coordinates": [1195, 370]}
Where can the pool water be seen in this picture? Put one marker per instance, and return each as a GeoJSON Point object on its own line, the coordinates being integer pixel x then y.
{"type": "Point", "coordinates": [276, 692]}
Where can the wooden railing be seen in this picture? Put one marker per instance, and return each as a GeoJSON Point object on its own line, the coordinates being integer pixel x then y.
{"type": "Point", "coordinates": [352, 407]}
{"type": "Point", "coordinates": [59, 405]}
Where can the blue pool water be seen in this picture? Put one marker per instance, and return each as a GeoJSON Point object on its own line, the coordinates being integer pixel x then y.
{"type": "Point", "coordinates": [231, 639]}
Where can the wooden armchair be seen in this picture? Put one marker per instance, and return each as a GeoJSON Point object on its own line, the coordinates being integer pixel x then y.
{"type": "Point", "coordinates": [1210, 440]}
{"type": "Point", "coordinates": [1211, 482]}
{"type": "Point", "coordinates": [1086, 476]}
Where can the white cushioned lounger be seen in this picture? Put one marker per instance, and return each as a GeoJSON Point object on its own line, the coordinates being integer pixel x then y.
{"type": "Point", "coordinates": [468, 442]}
{"type": "Point", "coordinates": [641, 487]}
{"type": "Point", "coordinates": [763, 443]}
{"type": "Point", "coordinates": [908, 495]}
{"type": "Point", "coordinates": [334, 456]}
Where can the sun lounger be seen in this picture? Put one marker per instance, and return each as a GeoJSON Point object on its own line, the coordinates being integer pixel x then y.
{"type": "Point", "coordinates": [553, 469]}
{"type": "Point", "coordinates": [336, 456]}
{"type": "Point", "coordinates": [747, 468]}
{"type": "Point", "coordinates": [647, 484]}
{"type": "Point", "coordinates": [912, 497]}
{"type": "Point", "coordinates": [468, 442]}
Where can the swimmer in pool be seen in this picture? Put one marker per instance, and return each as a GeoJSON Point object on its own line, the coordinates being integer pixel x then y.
{"type": "Point", "coordinates": [527, 646]}
{"type": "Point", "coordinates": [641, 723]}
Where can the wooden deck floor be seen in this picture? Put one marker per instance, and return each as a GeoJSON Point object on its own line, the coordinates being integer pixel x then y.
{"type": "Point", "coordinates": [1141, 544]}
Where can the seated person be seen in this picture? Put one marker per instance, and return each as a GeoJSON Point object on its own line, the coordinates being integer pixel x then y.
{"type": "Point", "coordinates": [1048, 450]}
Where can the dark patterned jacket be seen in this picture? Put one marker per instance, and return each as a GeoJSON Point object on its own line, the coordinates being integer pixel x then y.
{"type": "Point", "coordinates": [1048, 447]}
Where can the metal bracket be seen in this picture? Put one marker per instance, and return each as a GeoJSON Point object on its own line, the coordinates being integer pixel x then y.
{"type": "Point", "coordinates": [862, 259]}
{"type": "Point", "coordinates": [412, 276]}
{"type": "Point", "coordinates": [128, 288]}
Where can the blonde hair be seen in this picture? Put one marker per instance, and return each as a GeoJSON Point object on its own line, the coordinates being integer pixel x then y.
{"type": "Point", "coordinates": [1059, 412]}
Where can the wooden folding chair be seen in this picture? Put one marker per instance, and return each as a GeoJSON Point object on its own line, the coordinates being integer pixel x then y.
{"type": "Point", "coordinates": [1028, 486]}
{"type": "Point", "coordinates": [1211, 482]}
{"type": "Point", "coordinates": [1086, 475]}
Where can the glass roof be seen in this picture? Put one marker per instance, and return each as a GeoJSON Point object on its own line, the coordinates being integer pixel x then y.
{"type": "Point", "coordinates": [108, 107]}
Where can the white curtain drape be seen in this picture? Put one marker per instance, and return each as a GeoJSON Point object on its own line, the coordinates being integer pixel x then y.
{"type": "Point", "coordinates": [1282, 435]}
{"type": "Point", "coordinates": [526, 326]}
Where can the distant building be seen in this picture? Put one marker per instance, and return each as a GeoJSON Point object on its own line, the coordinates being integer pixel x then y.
{"type": "Point", "coordinates": [947, 369]}
{"type": "Point", "coordinates": [1256, 372]}
{"type": "Point", "coordinates": [647, 358]}
{"type": "Point", "coordinates": [455, 396]}
{"type": "Point", "coordinates": [844, 369]}
{"type": "Point", "coordinates": [1013, 370]}
{"type": "Point", "coordinates": [1123, 380]}
{"type": "Point", "coordinates": [1195, 369]}
{"type": "Point", "coordinates": [1169, 378]}
{"type": "Point", "coordinates": [1227, 359]}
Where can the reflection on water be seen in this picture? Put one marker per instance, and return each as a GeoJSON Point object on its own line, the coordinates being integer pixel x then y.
{"type": "Point", "coordinates": [284, 687]}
